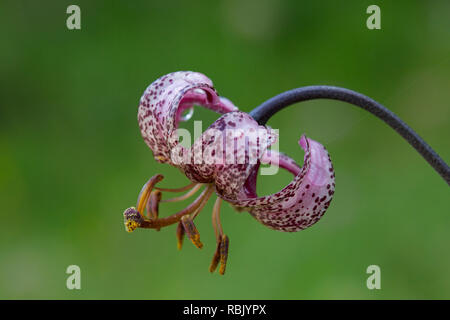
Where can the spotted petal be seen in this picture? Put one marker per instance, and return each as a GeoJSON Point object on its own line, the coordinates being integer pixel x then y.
{"type": "Point", "coordinates": [164, 101]}
{"type": "Point", "coordinates": [228, 151]}
{"type": "Point", "coordinates": [303, 201]}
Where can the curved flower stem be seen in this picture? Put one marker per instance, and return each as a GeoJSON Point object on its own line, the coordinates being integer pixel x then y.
{"type": "Point", "coordinates": [267, 109]}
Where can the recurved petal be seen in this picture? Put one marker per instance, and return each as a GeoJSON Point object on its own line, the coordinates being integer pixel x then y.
{"type": "Point", "coordinates": [163, 102]}
{"type": "Point", "coordinates": [246, 142]}
{"type": "Point", "coordinates": [303, 201]}
{"type": "Point", "coordinates": [227, 152]}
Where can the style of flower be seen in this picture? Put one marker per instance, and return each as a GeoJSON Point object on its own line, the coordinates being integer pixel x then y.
{"type": "Point", "coordinates": [225, 160]}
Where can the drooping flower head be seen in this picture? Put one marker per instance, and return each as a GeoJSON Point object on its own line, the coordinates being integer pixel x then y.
{"type": "Point", "coordinates": [225, 159]}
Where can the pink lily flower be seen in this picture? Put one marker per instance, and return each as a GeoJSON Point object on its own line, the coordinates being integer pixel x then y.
{"type": "Point", "coordinates": [225, 160]}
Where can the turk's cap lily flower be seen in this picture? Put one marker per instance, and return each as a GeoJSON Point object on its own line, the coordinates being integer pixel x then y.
{"type": "Point", "coordinates": [300, 204]}
{"type": "Point", "coordinates": [225, 159]}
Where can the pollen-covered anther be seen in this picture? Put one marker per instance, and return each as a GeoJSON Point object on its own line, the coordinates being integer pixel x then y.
{"type": "Point", "coordinates": [132, 219]}
{"type": "Point", "coordinates": [220, 255]}
{"type": "Point", "coordinates": [180, 235]}
{"type": "Point", "coordinates": [223, 253]}
{"type": "Point", "coordinates": [153, 204]}
{"type": "Point", "coordinates": [216, 258]}
{"type": "Point", "coordinates": [146, 191]}
{"type": "Point", "coordinates": [191, 231]}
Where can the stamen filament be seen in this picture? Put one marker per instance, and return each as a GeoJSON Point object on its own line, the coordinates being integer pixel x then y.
{"type": "Point", "coordinates": [216, 219]}
{"type": "Point", "coordinates": [200, 208]}
{"type": "Point", "coordinates": [198, 203]}
{"type": "Point", "coordinates": [185, 188]}
{"type": "Point", "coordinates": [185, 196]}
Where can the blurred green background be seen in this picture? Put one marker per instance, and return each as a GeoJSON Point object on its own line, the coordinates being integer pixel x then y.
{"type": "Point", "coordinates": [72, 158]}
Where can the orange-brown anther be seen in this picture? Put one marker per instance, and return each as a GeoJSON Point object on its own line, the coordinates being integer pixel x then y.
{"type": "Point", "coordinates": [223, 254]}
{"type": "Point", "coordinates": [180, 235]}
{"type": "Point", "coordinates": [153, 204]}
{"type": "Point", "coordinates": [191, 231]}
{"type": "Point", "coordinates": [216, 258]}
{"type": "Point", "coordinates": [146, 191]}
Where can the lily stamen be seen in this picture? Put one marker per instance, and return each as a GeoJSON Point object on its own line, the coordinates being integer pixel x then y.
{"type": "Point", "coordinates": [153, 204]}
{"type": "Point", "coordinates": [215, 259]}
{"type": "Point", "coordinates": [198, 203]}
{"type": "Point", "coordinates": [202, 205]}
{"type": "Point", "coordinates": [146, 191]}
{"type": "Point", "coordinates": [221, 253]}
{"type": "Point", "coordinates": [185, 196]}
{"type": "Point", "coordinates": [216, 219]}
{"type": "Point", "coordinates": [191, 231]}
{"type": "Point", "coordinates": [189, 186]}
{"type": "Point", "coordinates": [180, 235]}
{"type": "Point", "coordinates": [224, 243]}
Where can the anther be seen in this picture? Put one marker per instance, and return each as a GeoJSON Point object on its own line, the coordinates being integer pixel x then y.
{"type": "Point", "coordinates": [220, 255]}
{"type": "Point", "coordinates": [191, 231]}
{"type": "Point", "coordinates": [146, 191]}
{"type": "Point", "coordinates": [216, 258]}
{"type": "Point", "coordinates": [223, 254]}
{"type": "Point", "coordinates": [153, 204]}
{"type": "Point", "coordinates": [180, 235]}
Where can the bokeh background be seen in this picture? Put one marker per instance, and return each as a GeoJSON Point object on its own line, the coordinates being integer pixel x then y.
{"type": "Point", "coordinates": [72, 158]}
